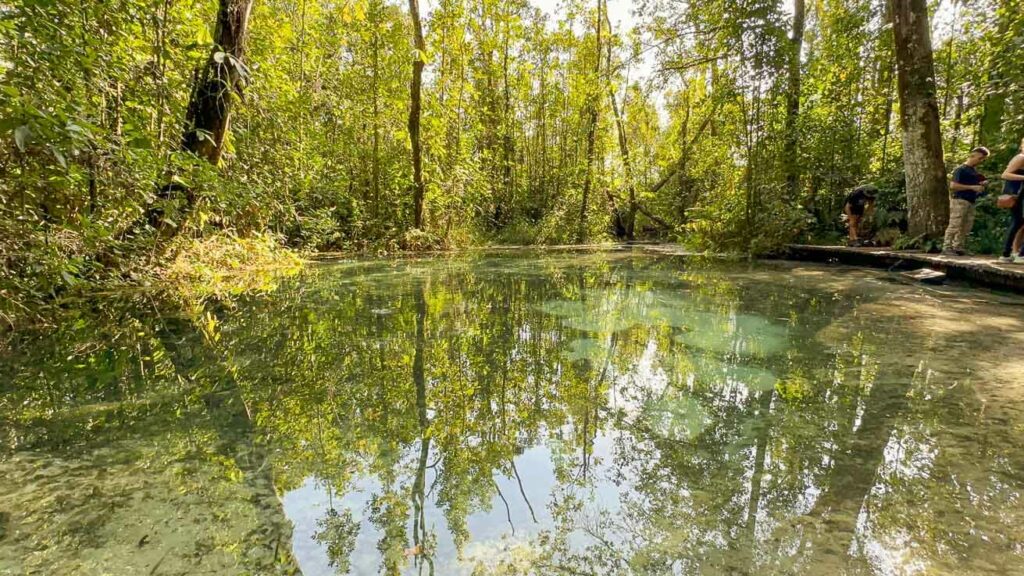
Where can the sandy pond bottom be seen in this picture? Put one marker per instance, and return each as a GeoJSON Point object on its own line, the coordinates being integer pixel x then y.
{"type": "Point", "coordinates": [523, 413]}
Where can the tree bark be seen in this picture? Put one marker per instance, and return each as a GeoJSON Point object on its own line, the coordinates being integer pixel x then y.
{"type": "Point", "coordinates": [629, 223]}
{"type": "Point", "coordinates": [927, 195]}
{"type": "Point", "coordinates": [207, 118]}
{"type": "Point", "coordinates": [415, 104]}
{"type": "Point", "coordinates": [990, 125]}
{"type": "Point", "coordinates": [543, 135]}
{"type": "Point", "coordinates": [508, 151]}
{"type": "Point", "coordinates": [993, 108]}
{"type": "Point", "coordinates": [217, 82]}
{"type": "Point", "coordinates": [884, 85]}
{"type": "Point", "coordinates": [791, 144]}
{"type": "Point", "coordinates": [375, 96]}
{"type": "Point", "coordinates": [581, 235]}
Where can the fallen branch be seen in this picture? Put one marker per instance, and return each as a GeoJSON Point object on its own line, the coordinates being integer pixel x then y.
{"type": "Point", "coordinates": [613, 199]}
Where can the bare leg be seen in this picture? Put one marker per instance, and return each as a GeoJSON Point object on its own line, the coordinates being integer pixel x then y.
{"type": "Point", "coordinates": [854, 224]}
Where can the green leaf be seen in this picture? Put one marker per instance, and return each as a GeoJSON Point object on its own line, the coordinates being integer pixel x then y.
{"type": "Point", "coordinates": [21, 135]}
{"type": "Point", "coordinates": [60, 157]}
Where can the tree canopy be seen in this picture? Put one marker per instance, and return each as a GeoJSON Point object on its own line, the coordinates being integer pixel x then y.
{"type": "Point", "coordinates": [369, 124]}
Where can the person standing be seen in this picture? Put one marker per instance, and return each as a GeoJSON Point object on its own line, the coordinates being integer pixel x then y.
{"type": "Point", "coordinates": [967, 185]}
{"type": "Point", "coordinates": [856, 203]}
{"type": "Point", "coordinates": [1013, 177]}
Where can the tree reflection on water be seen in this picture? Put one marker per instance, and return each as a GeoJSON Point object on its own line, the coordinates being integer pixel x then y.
{"type": "Point", "coordinates": [605, 413]}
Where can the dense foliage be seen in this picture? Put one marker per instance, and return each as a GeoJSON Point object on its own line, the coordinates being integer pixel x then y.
{"type": "Point", "coordinates": [744, 127]}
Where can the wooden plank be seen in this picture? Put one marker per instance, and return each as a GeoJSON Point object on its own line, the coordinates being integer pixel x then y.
{"type": "Point", "coordinates": [925, 275]}
{"type": "Point", "coordinates": [976, 270]}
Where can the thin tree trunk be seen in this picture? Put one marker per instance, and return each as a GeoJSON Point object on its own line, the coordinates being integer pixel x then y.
{"type": "Point", "coordinates": [958, 116]}
{"type": "Point", "coordinates": [993, 109]}
{"type": "Point", "coordinates": [375, 95]}
{"type": "Point", "coordinates": [990, 125]}
{"type": "Point", "coordinates": [415, 103]}
{"type": "Point", "coordinates": [160, 71]}
{"type": "Point", "coordinates": [680, 166]}
{"type": "Point", "coordinates": [507, 127]}
{"type": "Point", "coordinates": [886, 120]}
{"type": "Point", "coordinates": [791, 144]}
{"type": "Point", "coordinates": [629, 224]}
{"type": "Point", "coordinates": [927, 195]}
{"type": "Point", "coordinates": [544, 135]}
{"type": "Point", "coordinates": [581, 235]}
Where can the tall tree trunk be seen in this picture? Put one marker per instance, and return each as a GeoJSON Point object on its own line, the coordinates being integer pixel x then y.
{"type": "Point", "coordinates": [160, 71]}
{"type": "Point", "coordinates": [415, 100]}
{"type": "Point", "coordinates": [543, 136]}
{"type": "Point", "coordinates": [992, 111]}
{"type": "Point", "coordinates": [791, 148]}
{"type": "Point", "coordinates": [214, 88]}
{"type": "Point", "coordinates": [958, 116]}
{"type": "Point", "coordinates": [375, 96]}
{"type": "Point", "coordinates": [886, 71]}
{"type": "Point", "coordinates": [217, 82]}
{"type": "Point", "coordinates": [594, 103]}
{"type": "Point", "coordinates": [990, 126]}
{"type": "Point", "coordinates": [629, 223]}
{"type": "Point", "coordinates": [927, 195]}
{"type": "Point", "coordinates": [507, 126]}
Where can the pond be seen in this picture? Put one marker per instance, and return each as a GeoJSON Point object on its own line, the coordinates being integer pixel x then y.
{"type": "Point", "coordinates": [600, 412]}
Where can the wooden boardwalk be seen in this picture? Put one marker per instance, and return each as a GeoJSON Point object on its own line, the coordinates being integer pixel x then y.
{"type": "Point", "coordinates": [982, 270]}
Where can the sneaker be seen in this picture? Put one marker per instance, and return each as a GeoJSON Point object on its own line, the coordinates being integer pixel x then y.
{"type": "Point", "coordinates": [1005, 260]}
{"type": "Point", "coordinates": [950, 253]}
{"type": "Point", "coordinates": [1018, 259]}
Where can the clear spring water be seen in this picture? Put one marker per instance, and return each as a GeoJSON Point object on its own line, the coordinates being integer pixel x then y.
{"type": "Point", "coordinates": [522, 413]}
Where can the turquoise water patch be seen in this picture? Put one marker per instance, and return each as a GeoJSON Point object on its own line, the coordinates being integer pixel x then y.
{"type": "Point", "coordinates": [586, 349]}
{"type": "Point", "coordinates": [678, 417]}
{"type": "Point", "coordinates": [711, 371]}
{"type": "Point", "coordinates": [742, 334]}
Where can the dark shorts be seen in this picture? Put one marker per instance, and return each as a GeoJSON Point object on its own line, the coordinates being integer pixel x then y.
{"type": "Point", "coordinates": [856, 209]}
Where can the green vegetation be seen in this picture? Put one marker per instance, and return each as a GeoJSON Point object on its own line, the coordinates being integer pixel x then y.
{"type": "Point", "coordinates": [354, 125]}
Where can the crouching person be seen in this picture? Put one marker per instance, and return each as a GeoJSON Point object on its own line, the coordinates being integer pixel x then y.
{"type": "Point", "coordinates": [857, 203]}
{"type": "Point", "coordinates": [966, 186]}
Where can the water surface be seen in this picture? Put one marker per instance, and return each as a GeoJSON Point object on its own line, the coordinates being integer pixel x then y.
{"type": "Point", "coordinates": [525, 413]}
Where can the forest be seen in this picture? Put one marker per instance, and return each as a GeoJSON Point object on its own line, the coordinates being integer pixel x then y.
{"type": "Point", "coordinates": [142, 134]}
{"type": "Point", "coordinates": [483, 287]}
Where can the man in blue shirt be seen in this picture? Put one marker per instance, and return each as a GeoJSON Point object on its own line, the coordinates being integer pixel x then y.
{"type": "Point", "coordinates": [967, 185]}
